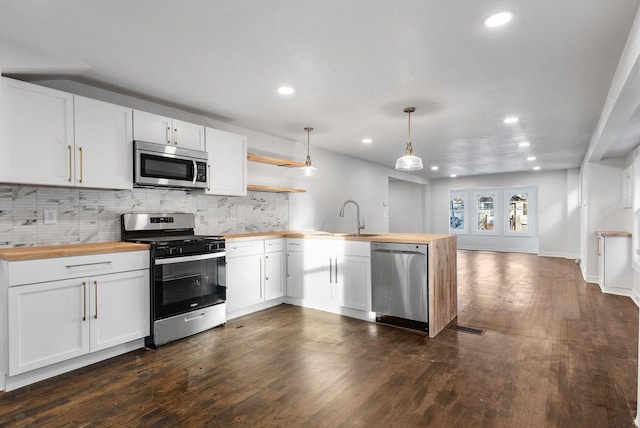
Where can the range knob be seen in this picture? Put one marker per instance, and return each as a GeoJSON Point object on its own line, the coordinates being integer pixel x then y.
{"type": "Point", "coordinates": [173, 251]}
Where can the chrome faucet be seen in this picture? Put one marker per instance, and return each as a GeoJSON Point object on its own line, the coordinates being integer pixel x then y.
{"type": "Point", "coordinates": [358, 225]}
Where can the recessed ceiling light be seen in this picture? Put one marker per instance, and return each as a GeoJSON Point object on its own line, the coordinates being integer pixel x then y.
{"type": "Point", "coordinates": [367, 140]}
{"type": "Point", "coordinates": [511, 119]}
{"type": "Point", "coordinates": [536, 168]}
{"type": "Point", "coordinates": [453, 175]}
{"type": "Point", "coordinates": [435, 168]}
{"type": "Point", "coordinates": [523, 144]}
{"type": "Point", "coordinates": [531, 158]}
{"type": "Point", "coordinates": [498, 19]}
{"type": "Point", "coordinates": [285, 90]}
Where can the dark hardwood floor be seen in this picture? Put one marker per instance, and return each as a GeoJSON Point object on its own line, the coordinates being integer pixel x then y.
{"type": "Point", "coordinates": [556, 352]}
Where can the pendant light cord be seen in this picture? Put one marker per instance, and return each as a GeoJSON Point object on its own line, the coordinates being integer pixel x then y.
{"type": "Point", "coordinates": [409, 150]}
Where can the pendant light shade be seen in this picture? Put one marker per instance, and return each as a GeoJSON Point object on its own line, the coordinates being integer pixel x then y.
{"type": "Point", "coordinates": [409, 162]}
{"type": "Point", "coordinates": [307, 170]}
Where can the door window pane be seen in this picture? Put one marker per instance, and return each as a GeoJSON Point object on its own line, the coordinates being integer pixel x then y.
{"type": "Point", "coordinates": [518, 213]}
{"type": "Point", "coordinates": [485, 213]}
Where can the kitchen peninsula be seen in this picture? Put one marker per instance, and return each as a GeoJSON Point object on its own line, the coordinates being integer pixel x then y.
{"type": "Point", "coordinates": [442, 277]}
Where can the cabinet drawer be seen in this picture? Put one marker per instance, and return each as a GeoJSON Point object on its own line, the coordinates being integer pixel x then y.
{"type": "Point", "coordinates": [244, 248]}
{"type": "Point", "coordinates": [337, 247]}
{"type": "Point", "coordinates": [53, 269]}
{"type": "Point", "coordinates": [273, 245]}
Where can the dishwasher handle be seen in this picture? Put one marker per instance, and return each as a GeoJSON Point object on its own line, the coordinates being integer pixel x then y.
{"type": "Point", "coordinates": [398, 252]}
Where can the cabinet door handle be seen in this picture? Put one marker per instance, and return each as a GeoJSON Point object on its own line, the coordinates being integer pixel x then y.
{"type": "Point", "coordinates": [336, 270]}
{"type": "Point", "coordinates": [599, 240]}
{"type": "Point", "coordinates": [70, 162]}
{"type": "Point", "coordinates": [288, 266]}
{"type": "Point", "coordinates": [80, 150]}
{"type": "Point", "coordinates": [84, 301]}
{"type": "Point", "coordinates": [261, 274]}
{"type": "Point", "coordinates": [175, 136]}
{"type": "Point", "coordinates": [95, 283]}
{"type": "Point", "coordinates": [209, 178]}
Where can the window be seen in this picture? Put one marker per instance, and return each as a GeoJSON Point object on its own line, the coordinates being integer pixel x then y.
{"type": "Point", "coordinates": [458, 213]}
{"type": "Point", "coordinates": [518, 213]}
{"type": "Point", "coordinates": [486, 213]}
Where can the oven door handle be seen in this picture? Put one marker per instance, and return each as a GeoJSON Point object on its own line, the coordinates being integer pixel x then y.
{"type": "Point", "coordinates": [173, 260]}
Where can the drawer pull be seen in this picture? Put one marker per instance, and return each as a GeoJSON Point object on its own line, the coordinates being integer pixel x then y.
{"type": "Point", "coordinates": [96, 296]}
{"type": "Point", "coordinates": [89, 264]}
{"type": "Point", "coordinates": [84, 301]}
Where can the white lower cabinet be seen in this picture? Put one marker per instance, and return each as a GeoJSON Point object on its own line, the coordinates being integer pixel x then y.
{"type": "Point", "coordinates": [353, 282]}
{"type": "Point", "coordinates": [119, 308]}
{"type": "Point", "coordinates": [244, 281]}
{"type": "Point", "coordinates": [53, 321]}
{"type": "Point", "coordinates": [255, 273]}
{"type": "Point", "coordinates": [48, 323]}
{"type": "Point", "coordinates": [273, 269]}
{"type": "Point", "coordinates": [614, 262]}
{"type": "Point", "coordinates": [295, 274]}
{"type": "Point", "coordinates": [327, 274]}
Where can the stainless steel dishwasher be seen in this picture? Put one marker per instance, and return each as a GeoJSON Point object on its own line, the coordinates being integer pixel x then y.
{"type": "Point", "coordinates": [399, 279]}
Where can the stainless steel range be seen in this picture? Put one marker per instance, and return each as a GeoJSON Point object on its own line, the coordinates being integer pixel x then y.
{"type": "Point", "coordinates": [188, 274]}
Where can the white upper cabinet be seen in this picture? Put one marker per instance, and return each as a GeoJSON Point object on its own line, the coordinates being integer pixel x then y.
{"type": "Point", "coordinates": [227, 163]}
{"type": "Point", "coordinates": [164, 130]}
{"type": "Point", "coordinates": [36, 134]}
{"type": "Point", "coordinates": [103, 145]}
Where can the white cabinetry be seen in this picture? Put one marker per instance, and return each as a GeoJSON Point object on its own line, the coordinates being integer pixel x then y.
{"type": "Point", "coordinates": [164, 130]}
{"type": "Point", "coordinates": [254, 275]}
{"type": "Point", "coordinates": [103, 145]}
{"type": "Point", "coordinates": [295, 273]}
{"type": "Point", "coordinates": [89, 303]}
{"type": "Point", "coordinates": [54, 138]}
{"type": "Point", "coordinates": [273, 268]}
{"type": "Point", "coordinates": [353, 282]}
{"type": "Point", "coordinates": [614, 262]}
{"type": "Point", "coordinates": [47, 324]}
{"type": "Point", "coordinates": [329, 274]}
{"type": "Point", "coordinates": [244, 274]}
{"type": "Point", "coordinates": [227, 163]}
{"type": "Point", "coordinates": [36, 134]}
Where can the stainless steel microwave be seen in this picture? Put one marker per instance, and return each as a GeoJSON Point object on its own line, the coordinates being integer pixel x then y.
{"type": "Point", "coordinates": [168, 166]}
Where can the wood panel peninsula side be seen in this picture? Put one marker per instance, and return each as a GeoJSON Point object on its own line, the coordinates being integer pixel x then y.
{"type": "Point", "coordinates": [442, 264]}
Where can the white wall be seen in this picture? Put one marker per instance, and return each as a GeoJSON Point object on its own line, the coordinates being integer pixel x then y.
{"type": "Point", "coordinates": [407, 206]}
{"type": "Point", "coordinates": [603, 211]}
{"type": "Point", "coordinates": [573, 213]}
{"type": "Point", "coordinates": [552, 204]}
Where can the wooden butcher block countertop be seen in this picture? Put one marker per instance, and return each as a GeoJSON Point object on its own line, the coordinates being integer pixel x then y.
{"type": "Point", "coordinates": [50, 251]}
{"type": "Point", "coordinates": [417, 238]}
{"type": "Point", "coordinates": [613, 233]}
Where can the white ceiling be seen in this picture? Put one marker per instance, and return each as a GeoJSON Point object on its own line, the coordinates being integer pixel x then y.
{"type": "Point", "coordinates": [354, 65]}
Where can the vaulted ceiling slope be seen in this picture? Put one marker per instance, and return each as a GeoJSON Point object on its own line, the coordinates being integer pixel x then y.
{"type": "Point", "coordinates": [354, 66]}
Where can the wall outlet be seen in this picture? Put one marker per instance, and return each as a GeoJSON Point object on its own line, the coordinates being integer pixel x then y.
{"type": "Point", "coordinates": [232, 214]}
{"type": "Point", "coordinates": [50, 216]}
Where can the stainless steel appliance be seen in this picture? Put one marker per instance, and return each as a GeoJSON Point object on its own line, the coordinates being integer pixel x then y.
{"type": "Point", "coordinates": [399, 275]}
{"type": "Point", "coordinates": [188, 274]}
{"type": "Point", "coordinates": [169, 166]}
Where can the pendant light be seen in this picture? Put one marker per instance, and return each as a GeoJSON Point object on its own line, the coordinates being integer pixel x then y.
{"type": "Point", "coordinates": [408, 162]}
{"type": "Point", "coordinates": [307, 170]}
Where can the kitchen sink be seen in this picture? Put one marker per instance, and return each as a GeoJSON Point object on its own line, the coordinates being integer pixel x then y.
{"type": "Point", "coordinates": [364, 235]}
{"type": "Point", "coordinates": [350, 235]}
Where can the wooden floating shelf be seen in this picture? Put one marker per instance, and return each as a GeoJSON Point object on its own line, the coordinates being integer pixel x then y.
{"type": "Point", "coordinates": [273, 161]}
{"type": "Point", "coordinates": [257, 188]}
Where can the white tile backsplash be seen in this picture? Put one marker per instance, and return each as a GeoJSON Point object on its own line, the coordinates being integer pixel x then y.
{"type": "Point", "coordinates": [90, 215]}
